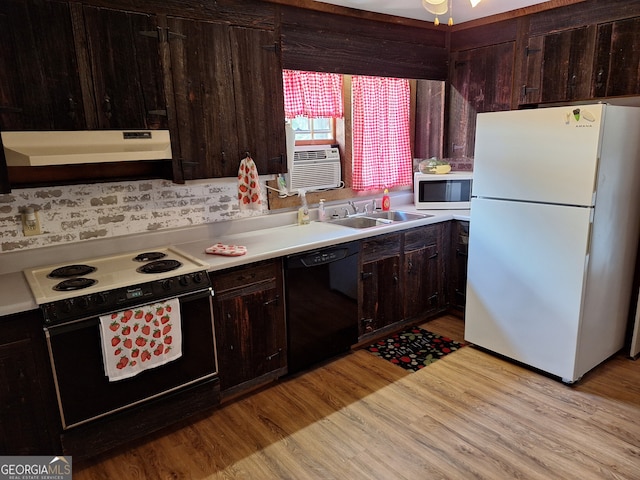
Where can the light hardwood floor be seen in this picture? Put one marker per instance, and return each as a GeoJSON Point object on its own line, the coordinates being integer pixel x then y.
{"type": "Point", "coordinates": [468, 415]}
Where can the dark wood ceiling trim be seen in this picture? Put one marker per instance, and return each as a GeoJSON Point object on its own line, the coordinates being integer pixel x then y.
{"type": "Point", "coordinates": [352, 12]}
{"type": "Point", "coordinates": [519, 12]}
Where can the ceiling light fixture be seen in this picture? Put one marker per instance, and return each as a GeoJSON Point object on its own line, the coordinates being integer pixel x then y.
{"type": "Point", "coordinates": [440, 7]}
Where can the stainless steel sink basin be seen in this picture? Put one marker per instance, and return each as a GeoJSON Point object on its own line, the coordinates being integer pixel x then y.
{"type": "Point", "coordinates": [368, 220]}
{"type": "Point", "coordinates": [397, 216]}
{"type": "Point", "coordinates": [358, 222]}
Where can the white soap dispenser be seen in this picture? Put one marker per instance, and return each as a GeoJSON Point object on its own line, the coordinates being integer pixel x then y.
{"type": "Point", "coordinates": [322, 214]}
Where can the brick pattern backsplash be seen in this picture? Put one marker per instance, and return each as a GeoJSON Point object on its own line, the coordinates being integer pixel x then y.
{"type": "Point", "coordinates": [76, 213]}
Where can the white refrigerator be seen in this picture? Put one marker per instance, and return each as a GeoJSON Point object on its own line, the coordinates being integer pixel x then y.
{"type": "Point", "coordinates": [555, 219]}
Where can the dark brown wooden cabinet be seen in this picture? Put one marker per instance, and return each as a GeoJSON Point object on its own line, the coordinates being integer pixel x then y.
{"type": "Point", "coordinates": [481, 81]}
{"type": "Point", "coordinates": [123, 75]}
{"type": "Point", "coordinates": [424, 287]}
{"type": "Point", "coordinates": [68, 66]}
{"type": "Point", "coordinates": [205, 139]}
{"type": "Point", "coordinates": [227, 89]}
{"type": "Point", "coordinates": [617, 61]}
{"type": "Point", "coordinates": [380, 300]}
{"type": "Point", "coordinates": [402, 277]}
{"type": "Point", "coordinates": [559, 66]}
{"type": "Point", "coordinates": [250, 325]}
{"type": "Point", "coordinates": [85, 68]}
{"type": "Point", "coordinates": [457, 266]}
{"type": "Point", "coordinates": [216, 86]}
{"type": "Point", "coordinates": [40, 86]}
{"type": "Point", "coordinates": [259, 98]}
{"type": "Point", "coordinates": [27, 402]}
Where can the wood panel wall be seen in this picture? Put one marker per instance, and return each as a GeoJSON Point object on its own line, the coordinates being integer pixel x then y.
{"type": "Point", "coordinates": [325, 42]}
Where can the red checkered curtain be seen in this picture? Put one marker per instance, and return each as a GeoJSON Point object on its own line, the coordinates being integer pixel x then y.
{"type": "Point", "coordinates": [381, 136]}
{"type": "Point", "coordinates": [312, 94]}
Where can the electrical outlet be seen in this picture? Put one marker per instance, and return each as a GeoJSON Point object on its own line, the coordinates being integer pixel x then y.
{"type": "Point", "coordinates": [30, 222]}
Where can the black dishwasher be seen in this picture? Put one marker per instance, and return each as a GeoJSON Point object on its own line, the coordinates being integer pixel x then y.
{"type": "Point", "coordinates": [322, 304]}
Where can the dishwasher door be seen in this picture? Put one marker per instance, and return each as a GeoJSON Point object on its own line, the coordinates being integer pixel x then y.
{"type": "Point", "coordinates": [322, 304]}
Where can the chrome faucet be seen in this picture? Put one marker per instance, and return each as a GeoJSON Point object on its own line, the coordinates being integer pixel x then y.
{"type": "Point", "coordinates": [373, 206]}
{"type": "Point", "coordinates": [354, 206]}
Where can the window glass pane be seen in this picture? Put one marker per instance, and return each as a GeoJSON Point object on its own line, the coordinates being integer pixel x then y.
{"type": "Point", "coordinates": [300, 124]}
{"type": "Point", "coordinates": [306, 128]}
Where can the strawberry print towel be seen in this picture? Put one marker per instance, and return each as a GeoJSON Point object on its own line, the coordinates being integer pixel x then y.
{"type": "Point", "coordinates": [226, 250]}
{"type": "Point", "coordinates": [140, 338]}
{"type": "Point", "coordinates": [248, 185]}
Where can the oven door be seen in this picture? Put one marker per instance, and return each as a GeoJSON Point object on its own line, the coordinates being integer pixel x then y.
{"type": "Point", "coordinates": [84, 391]}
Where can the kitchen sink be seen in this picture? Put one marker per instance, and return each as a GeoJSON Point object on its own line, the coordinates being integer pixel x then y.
{"type": "Point", "coordinates": [358, 222]}
{"type": "Point", "coordinates": [368, 220]}
{"type": "Point", "coordinates": [397, 216]}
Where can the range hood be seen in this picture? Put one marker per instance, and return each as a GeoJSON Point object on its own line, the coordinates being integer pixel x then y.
{"type": "Point", "coordinates": [86, 146]}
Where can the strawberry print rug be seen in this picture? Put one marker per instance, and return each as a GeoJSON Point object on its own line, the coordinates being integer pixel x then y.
{"type": "Point", "coordinates": [414, 348]}
{"type": "Point", "coordinates": [141, 338]}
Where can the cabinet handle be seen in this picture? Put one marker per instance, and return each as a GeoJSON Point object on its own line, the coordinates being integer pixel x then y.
{"type": "Point", "coordinates": [433, 298]}
{"type": "Point", "coordinates": [365, 275]}
{"type": "Point", "coordinates": [106, 106]}
{"type": "Point", "coordinates": [573, 82]}
{"type": "Point", "coordinates": [244, 278]}
{"type": "Point", "coordinates": [409, 266]}
{"type": "Point", "coordinates": [460, 253]}
{"type": "Point", "coordinates": [527, 90]}
{"type": "Point", "coordinates": [367, 324]}
{"type": "Point", "coordinates": [274, 355]}
{"type": "Point", "coordinates": [431, 257]}
{"type": "Point", "coordinates": [528, 51]}
{"type": "Point", "coordinates": [395, 279]}
{"type": "Point", "coordinates": [171, 35]}
{"type": "Point", "coordinates": [599, 82]}
{"type": "Point", "coordinates": [272, 47]}
{"type": "Point", "coordinates": [71, 107]}
{"type": "Point", "coordinates": [272, 301]}
{"type": "Point", "coordinates": [6, 109]}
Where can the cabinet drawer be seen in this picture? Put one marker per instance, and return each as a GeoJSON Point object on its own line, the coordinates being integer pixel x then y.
{"type": "Point", "coordinates": [380, 247]}
{"type": "Point", "coordinates": [244, 276]}
{"type": "Point", "coordinates": [19, 327]}
{"type": "Point", "coordinates": [421, 237]}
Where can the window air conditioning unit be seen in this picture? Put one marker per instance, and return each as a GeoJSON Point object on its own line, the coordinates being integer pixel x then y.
{"type": "Point", "coordinates": [314, 168]}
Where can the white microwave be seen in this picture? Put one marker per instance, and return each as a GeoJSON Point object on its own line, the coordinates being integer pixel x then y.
{"type": "Point", "coordinates": [450, 191]}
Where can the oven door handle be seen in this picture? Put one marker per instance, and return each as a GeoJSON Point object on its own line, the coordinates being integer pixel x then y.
{"type": "Point", "coordinates": [88, 322]}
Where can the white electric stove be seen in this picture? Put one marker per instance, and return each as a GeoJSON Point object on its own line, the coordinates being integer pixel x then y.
{"type": "Point", "coordinates": [101, 284]}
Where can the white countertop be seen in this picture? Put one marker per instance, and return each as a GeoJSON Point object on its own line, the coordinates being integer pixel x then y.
{"type": "Point", "coordinates": [263, 237]}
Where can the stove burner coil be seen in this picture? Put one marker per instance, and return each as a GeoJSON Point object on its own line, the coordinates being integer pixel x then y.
{"type": "Point", "coordinates": [77, 283]}
{"type": "Point", "coordinates": [159, 266]}
{"type": "Point", "coordinates": [71, 271]}
{"type": "Point", "coordinates": [147, 256]}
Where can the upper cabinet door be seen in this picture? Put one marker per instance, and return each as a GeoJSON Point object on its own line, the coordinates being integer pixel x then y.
{"type": "Point", "coordinates": [617, 68]}
{"type": "Point", "coordinates": [39, 80]}
{"type": "Point", "coordinates": [126, 89]}
{"type": "Point", "coordinates": [227, 91]}
{"type": "Point", "coordinates": [480, 82]}
{"type": "Point", "coordinates": [259, 97]}
{"type": "Point", "coordinates": [202, 86]}
{"type": "Point", "coordinates": [559, 66]}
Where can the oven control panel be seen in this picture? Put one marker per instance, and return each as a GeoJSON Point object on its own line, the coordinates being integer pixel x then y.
{"type": "Point", "coordinates": [108, 301]}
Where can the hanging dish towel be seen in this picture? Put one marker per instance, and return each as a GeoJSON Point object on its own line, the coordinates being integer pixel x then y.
{"type": "Point", "coordinates": [141, 338]}
{"type": "Point", "coordinates": [248, 185]}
